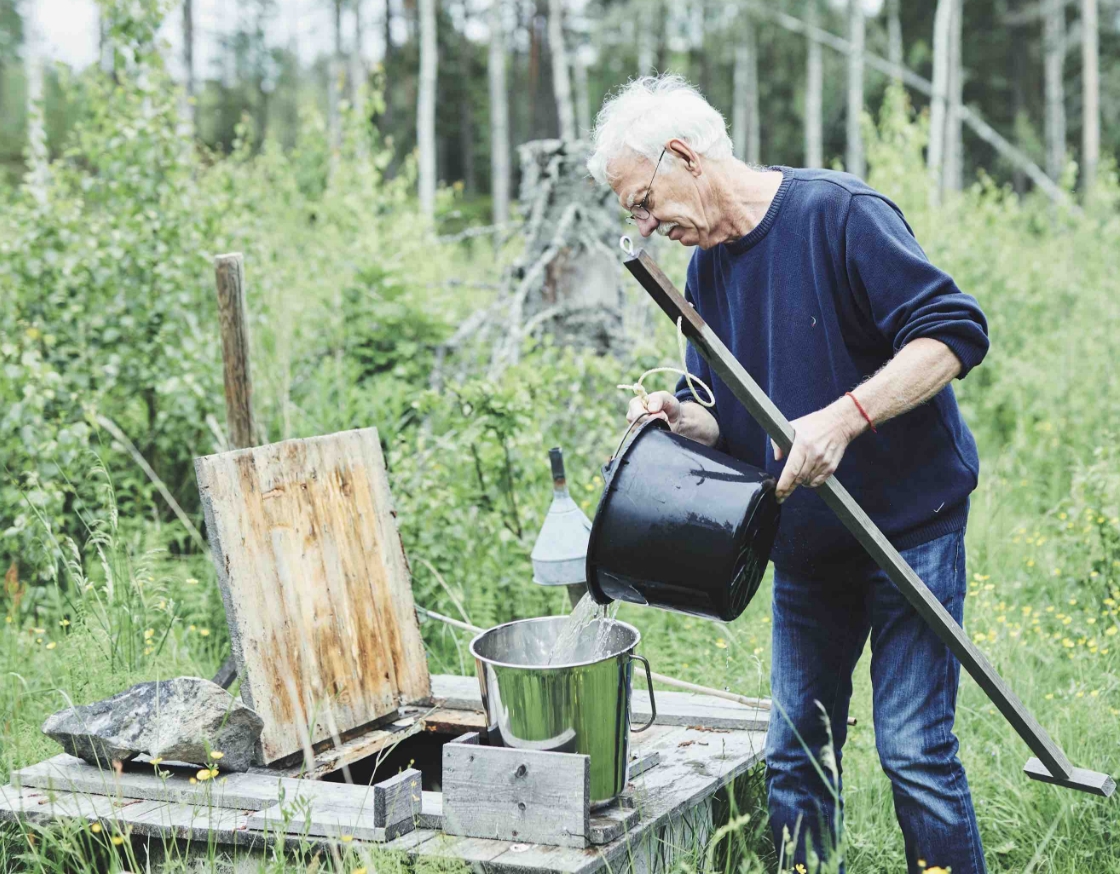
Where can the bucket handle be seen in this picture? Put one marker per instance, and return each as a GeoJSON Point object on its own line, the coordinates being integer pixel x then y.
{"type": "Point", "coordinates": [649, 685]}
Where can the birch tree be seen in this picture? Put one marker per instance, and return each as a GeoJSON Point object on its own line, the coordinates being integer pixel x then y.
{"type": "Point", "coordinates": [953, 177]}
{"type": "Point", "coordinates": [191, 110]}
{"type": "Point", "coordinates": [646, 49]}
{"type": "Point", "coordinates": [814, 89]}
{"type": "Point", "coordinates": [561, 80]}
{"type": "Point", "coordinates": [1090, 94]}
{"type": "Point", "coordinates": [37, 157]}
{"type": "Point", "coordinates": [935, 152]}
{"type": "Point", "coordinates": [334, 90]}
{"type": "Point", "coordinates": [357, 75]}
{"type": "Point", "coordinates": [499, 117]}
{"type": "Point", "coordinates": [894, 35]}
{"type": "Point", "coordinates": [583, 95]}
{"type": "Point", "coordinates": [744, 115]}
{"type": "Point", "coordinates": [1053, 48]}
{"type": "Point", "coordinates": [856, 29]}
{"type": "Point", "coordinates": [426, 108]}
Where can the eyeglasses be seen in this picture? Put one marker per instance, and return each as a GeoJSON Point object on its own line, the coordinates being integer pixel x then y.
{"type": "Point", "coordinates": [640, 212]}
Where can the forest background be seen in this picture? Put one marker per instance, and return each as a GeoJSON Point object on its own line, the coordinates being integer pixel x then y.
{"type": "Point", "coordinates": [363, 191]}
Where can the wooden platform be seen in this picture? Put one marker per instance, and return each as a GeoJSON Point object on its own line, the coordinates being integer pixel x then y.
{"type": "Point", "coordinates": [701, 744]}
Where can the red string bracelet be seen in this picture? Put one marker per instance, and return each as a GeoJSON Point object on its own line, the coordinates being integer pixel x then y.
{"type": "Point", "coordinates": [862, 411]}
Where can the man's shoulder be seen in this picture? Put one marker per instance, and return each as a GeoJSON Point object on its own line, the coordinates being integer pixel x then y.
{"type": "Point", "coordinates": [830, 184]}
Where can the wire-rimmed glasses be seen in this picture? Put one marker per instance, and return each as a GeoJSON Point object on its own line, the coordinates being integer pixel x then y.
{"type": "Point", "coordinates": [640, 212]}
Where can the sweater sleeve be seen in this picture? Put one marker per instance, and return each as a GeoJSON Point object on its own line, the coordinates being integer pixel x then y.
{"type": "Point", "coordinates": [907, 296]}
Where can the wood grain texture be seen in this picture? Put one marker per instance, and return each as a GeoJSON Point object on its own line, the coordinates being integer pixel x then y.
{"type": "Point", "coordinates": [233, 321]}
{"type": "Point", "coordinates": [1092, 782]}
{"type": "Point", "coordinates": [672, 800]}
{"type": "Point", "coordinates": [526, 796]}
{"type": "Point", "coordinates": [397, 799]}
{"type": "Point", "coordinates": [315, 584]}
{"type": "Point", "coordinates": [763, 410]}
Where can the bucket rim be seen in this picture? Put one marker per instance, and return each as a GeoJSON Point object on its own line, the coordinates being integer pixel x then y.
{"type": "Point", "coordinates": [563, 666]}
{"type": "Point", "coordinates": [591, 569]}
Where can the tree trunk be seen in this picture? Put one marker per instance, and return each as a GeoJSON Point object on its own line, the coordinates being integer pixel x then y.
{"type": "Point", "coordinates": [935, 153]}
{"type": "Point", "coordinates": [894, 35]}
{"type": "Point", "coordinates": [104, 45]}
{"type": "Point", "coordinates": [855, 161]}
{"type": "Point", "coordinates": [466, 108]}
{"type": "Point", "coordinates": [426, 108]}
{"type": "Point", "coordinates": [953, 177]}
{"type": "Point", "coordinates": [1053, 47]}
{"type": "Point", "coordinates": [1090, 95]}
{"type": "Point", "coordinates": [646, 56]}
{"type": "Point", "coordinates": [188, 63]}
{"type": "Point", "coordinates": [561, 81]}
{"type": "Point", "coordinates": [499, 117]}
{"type": "Point", "coordinates": [814, 88]}
{"type": "Point", "coordinates": [37, 156]}
{"type": "Point", "coordinates": [334, 90]}
{"type": "Point", "coordinates": [1020, 64]}
{"type": "Point", "coordinates": [744, 115]}
{"type": "Point", "coordinates": [357, 75]}
{"type": "Point", "coordinates": [583, 96]}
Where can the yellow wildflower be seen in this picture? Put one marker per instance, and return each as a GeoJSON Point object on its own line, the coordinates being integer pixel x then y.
{"type": "Point", "coordinates": [117, 840]}
{"type": "Point", "coordinates": [51, 645]}
{"type": "Point", "coordinates": [205, 632]}
{"type": "Point", "coordinates": [63, 622]}
{"type": "Point", "coordinates": [347, 839]}
{"type": "Point", "coordinates": [721, 643]}
{"type": "Point", "coordinates": [1094, 693]}
{"type": "Point", "coordinates": [95, 828]}
{"type": "Point", "coordinates": [149, 634]}
{"type": "Point", "coordinates": [360, 870]}
{"type": "Point", "coordinates": [214, 754]}
{"type": "Point", "coordinates": [191, 581]}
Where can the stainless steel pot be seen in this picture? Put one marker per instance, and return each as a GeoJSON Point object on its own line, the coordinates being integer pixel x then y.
{"type": "Point", "coordinates": [577, 708]}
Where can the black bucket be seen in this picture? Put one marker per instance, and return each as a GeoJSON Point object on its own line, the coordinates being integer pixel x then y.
{"type": "Point", "coordinates": [681, 526]}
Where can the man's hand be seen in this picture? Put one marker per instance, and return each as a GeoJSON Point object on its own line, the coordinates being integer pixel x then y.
{"type": "Point", "coordinates": [688, 420]}
{"type": "Point", "coordinates": [819, 442]}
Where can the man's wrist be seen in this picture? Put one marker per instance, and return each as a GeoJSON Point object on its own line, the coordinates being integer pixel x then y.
{"type": "Point", "coordinates": [852, 422]}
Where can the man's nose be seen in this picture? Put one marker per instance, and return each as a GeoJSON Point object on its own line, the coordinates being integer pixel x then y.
{"type": "Point", "coordinates": [647, 226]}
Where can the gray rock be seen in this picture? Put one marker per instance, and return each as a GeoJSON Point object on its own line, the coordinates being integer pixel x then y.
{"type": "Point", "coordinates": [178, 720]}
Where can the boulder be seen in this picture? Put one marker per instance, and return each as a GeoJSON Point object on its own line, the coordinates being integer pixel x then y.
{"type": "Point", "coordinates": [179, 720]}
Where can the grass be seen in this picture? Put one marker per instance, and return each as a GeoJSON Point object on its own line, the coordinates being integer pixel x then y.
{"type": "Point", "coordinates": [1043, 543]}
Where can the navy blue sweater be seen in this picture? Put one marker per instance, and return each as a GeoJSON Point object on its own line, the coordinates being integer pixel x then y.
{"type": "Point", "coordinates": [822, 293]}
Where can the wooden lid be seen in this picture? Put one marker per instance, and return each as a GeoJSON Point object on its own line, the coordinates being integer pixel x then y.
{"type": "Point", "coordinates": [315, 584]}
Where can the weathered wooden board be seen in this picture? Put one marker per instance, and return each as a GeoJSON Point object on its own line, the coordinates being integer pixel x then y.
{"type": "Point", "coordinates": [321, 819]}
{"type": "Point", "coordinates": [397, 799]}
{"type": "Point", "coordinates": [315, 584]}
{"type": "Point", "coordinates": [673, 708]}
{"type": "Point", "coordinates": [527, 796]}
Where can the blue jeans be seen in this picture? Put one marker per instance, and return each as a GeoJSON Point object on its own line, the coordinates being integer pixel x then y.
{"type": "Point", "coordinates": [820, 626]}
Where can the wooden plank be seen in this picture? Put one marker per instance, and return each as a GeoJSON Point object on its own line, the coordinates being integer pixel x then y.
{"type": "Point", "coordinates": [611, 824]}
{"type": "Point", "coordinates": [43, 806]}
{"type": "Point", "coordinates": [321, 819]}
{"type": "Point", "coordinates": [360, 747]}
{"type": "Point", "coordinates": [1087, 781]}
{"type": "Point", "coordinates": [315, 585]}
{"type": "Point", "coordinates": [431, 810]}
{"type": "Point", "coordinates": [234, 791]}
{"type": "Point", "coordinates": [673, 708]}
{"type": "Point", "coordinates": [763, 410]}
{"type": "Point", "coordinates": [516, 795]}
{"type": "Point", "coordinates": [397, 799]}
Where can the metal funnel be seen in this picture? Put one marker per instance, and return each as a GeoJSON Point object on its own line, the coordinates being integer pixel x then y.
{"type": "Point", "coordinates": [560, 553]}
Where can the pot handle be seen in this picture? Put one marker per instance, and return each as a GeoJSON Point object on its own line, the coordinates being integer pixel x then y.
{"type": "Point", "coordinates": [649, 685]}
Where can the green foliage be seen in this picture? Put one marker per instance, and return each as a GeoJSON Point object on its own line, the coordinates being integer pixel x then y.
{"type": "Point", "coordinates": [106, 309]}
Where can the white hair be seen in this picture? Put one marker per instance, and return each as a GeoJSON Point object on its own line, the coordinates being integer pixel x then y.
{"type": "Point", "coordinates": [646, 113]}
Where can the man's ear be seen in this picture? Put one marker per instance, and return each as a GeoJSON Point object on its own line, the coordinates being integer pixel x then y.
{"type": "Point", "coordinates": [686, 154]}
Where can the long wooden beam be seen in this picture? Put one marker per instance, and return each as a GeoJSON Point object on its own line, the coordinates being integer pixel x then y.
{"type": "Point", "coordinates": [1051, 760]}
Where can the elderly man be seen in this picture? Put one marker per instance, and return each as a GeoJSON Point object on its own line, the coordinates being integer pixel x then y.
{"type": "Point", "coordinates": [817, 285]}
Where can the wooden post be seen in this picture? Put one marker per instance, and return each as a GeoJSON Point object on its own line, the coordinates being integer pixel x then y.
{"type": "Point", "coordinates": [229, 273]}
{"type": "Point", "coordinates": [1051, 760]}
